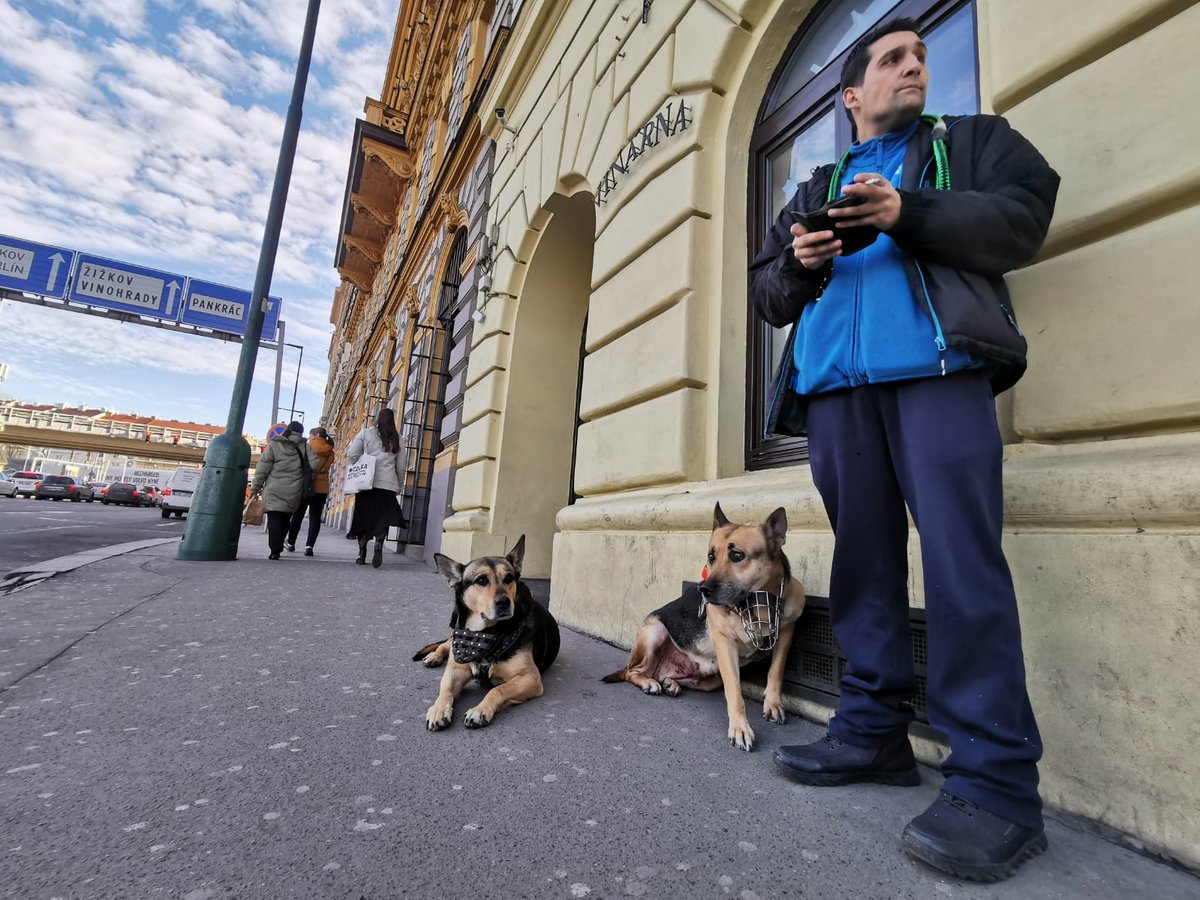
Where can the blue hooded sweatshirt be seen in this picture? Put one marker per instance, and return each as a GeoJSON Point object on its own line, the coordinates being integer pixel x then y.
{"type": "Point", "coordinates": [867, 327]}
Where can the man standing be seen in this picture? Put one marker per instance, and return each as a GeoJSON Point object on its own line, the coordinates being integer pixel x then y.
{"type": "Point", "coordinates": [902, 333]}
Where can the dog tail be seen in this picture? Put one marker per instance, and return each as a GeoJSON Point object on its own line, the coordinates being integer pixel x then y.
{"type": "Point", "coordinates": [426, 650]}
{"type": "Point", "coordinates": [615, 677]}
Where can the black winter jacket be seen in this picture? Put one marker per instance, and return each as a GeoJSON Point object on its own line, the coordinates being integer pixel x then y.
{"type": "Point", "coordinates": [959, 245]}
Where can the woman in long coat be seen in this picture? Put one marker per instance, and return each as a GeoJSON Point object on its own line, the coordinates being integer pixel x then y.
{"type": "Point", "coordinates": [376, 510]}
{"type": "Point", "coordinates": [279, 479]}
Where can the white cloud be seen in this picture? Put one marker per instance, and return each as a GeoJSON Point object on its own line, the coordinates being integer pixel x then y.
{"type": "Point", "coordinates": [150, 133]}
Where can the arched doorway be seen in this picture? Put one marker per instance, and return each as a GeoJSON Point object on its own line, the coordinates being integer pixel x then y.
{"type": "Point", "coordinates": [537, 452]}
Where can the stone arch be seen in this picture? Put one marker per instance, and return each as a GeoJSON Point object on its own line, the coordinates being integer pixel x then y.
{"type": "Point", "coordinates": [536, 449]}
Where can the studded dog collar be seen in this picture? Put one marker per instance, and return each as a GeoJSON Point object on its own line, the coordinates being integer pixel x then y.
{"type": "Point", "coordinates": [483, 648]}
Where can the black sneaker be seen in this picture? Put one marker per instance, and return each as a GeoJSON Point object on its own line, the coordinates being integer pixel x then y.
{"type": "Point", "coordinates": [829, 762]}
{"type": "Point", "coordinates": [289, 547]}
{"type": "Point", "coordinates": [958, 837]}
{"type": "Point", "coordinates": [273, 556]}
{"type": "Point", "coordinates": [308, 551]}
{"type": "Point", "coordinates": [377, 556]}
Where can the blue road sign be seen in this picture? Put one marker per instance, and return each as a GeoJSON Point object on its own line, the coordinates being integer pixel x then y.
{"type": "Point", "coordinates": [124, 287]}
{"type": "Point", "coordinates": [222, 308]}
{"type": "Point", "coordinates": [34, 268]}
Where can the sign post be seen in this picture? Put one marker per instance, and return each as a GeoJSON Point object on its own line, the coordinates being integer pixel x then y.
{"type": "Point", "coordinates": [214, 520]}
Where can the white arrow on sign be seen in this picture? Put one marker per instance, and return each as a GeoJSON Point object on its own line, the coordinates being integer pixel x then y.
{"type": "Point", "coordinates": [55, 261]}
{"type": "Point", "coordinates": [171, 289]}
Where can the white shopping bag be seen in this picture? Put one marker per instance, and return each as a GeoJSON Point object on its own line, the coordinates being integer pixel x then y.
{"type": "Point", "coordinates": [360, 476]}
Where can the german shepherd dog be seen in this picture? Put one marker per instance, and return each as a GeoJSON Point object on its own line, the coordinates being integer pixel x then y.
{"type": "Point", "coordinates": [699, 640]}
{"type": "Point", "coordinates": [500, 636]}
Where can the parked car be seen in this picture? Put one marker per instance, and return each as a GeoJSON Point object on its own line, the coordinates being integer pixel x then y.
{"type": "Point", "coordinates": [150, 495]}
{"type": "Point", "coordinates": [8, 487]}
{"type": "Point", "coordinates": [62, 487]}
{"type": "Point", "coordinates": [25, 482]}
{"type": "Point", "coordinates": [122, 493]}
{"type": "Point", "coordinates": [177, 495]}
{"type": "Point", "coordinates": [97, 489]}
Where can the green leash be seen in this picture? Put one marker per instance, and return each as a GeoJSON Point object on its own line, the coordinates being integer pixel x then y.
{"type": "Point", "coordinates": [941, 160]}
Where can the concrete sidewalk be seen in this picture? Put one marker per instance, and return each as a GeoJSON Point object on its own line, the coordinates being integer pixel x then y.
{"type": "Point", "coordinates": [256, 729]}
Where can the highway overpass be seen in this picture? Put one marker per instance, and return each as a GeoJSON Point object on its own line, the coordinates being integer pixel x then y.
{"type": "Point", "coordinates": [149, 451]}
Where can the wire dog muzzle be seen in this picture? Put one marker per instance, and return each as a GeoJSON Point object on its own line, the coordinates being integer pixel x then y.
{"type": "Point", "coordinates": [760, 612]}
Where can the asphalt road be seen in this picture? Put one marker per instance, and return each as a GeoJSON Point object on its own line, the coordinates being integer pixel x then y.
{"type": "Point", "coordinates": [34, 530]}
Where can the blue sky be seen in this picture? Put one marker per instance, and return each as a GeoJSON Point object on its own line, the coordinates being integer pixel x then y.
{"type": "Point", "coordinates": [148, 131]}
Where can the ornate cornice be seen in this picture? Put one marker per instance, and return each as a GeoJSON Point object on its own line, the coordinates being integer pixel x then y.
{"type": "Point", "coordinates": [360, 280]}
{"type": "Point", "coordinates": [372, 251]}
{"type": "Point", "coordinates": [382, 216]}
{"type": "Point", "coordinates": [398, 162]}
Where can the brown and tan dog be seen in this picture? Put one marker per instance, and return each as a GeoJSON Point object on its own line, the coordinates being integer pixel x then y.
{"type": "Point", "coordinates": [500, 635]}
{"type": "Point", "coordinates": [699, 639]}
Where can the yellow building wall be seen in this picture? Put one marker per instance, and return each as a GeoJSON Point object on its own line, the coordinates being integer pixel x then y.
{"type": "Point", "coordinates": [1102, 483]}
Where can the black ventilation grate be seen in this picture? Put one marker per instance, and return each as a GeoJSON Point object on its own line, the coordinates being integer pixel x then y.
{"type": "Point", "coordinates": [816, 664]}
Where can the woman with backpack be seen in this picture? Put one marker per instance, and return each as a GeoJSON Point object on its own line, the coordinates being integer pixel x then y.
{"type": "Point", "coordinates": [377, 509]}
{"type": "Point", "coordinates": [283, 478]}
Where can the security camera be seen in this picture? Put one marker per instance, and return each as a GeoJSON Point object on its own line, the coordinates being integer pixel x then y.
{"type": "Point", "coordinates": [500, 113]}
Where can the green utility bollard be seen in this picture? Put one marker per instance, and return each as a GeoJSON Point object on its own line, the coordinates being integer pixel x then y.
{"type": "Point", "coordinates": [215, 517]}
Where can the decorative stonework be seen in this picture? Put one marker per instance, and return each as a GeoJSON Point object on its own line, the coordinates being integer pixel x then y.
{"type": "Point", "coordinates": [455, 215]}
{"type": "Point", "coordinates": [382, 216]}
{"type": "Point", "coordinates": [398, 162]}
{"type": "Point", "coordinates": [411, 302]}
{"type": "Point", "coordinates": [369, 249]}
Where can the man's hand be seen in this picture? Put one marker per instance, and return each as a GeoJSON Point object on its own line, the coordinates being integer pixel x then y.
{"type": "Point", "coordinates": [882, 208]}
{"type": "Point", "coordinates": [814, 250]}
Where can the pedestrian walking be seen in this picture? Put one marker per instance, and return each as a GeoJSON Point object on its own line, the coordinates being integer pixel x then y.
{"type": "Point", "coordinates": [377, 509]}
{"type": "Point", "coordinates": [321, 446]}
{"type": "Point", "coordinates": [902, 331]}
{"type": "Point", "coordinates": [282, 478]}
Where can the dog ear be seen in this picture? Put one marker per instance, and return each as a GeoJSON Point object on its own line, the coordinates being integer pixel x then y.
{"type": "Point", "coordinates": [517, 554]}
{"type": "Point", "coordinates": [719, 517]}
{"type": "Point", "coordinates": [775, 528]}
{"type": "Point", "coordinates": [451, 571]}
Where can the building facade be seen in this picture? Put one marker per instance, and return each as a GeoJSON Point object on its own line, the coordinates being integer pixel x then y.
{"type": "Point", "coordinates": [409, 252]}
{"type": "Point", "coordinates": [617, 379]}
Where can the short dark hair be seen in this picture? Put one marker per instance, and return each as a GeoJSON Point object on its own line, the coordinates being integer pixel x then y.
{"type": "Point", "coordinates": [854, 69]}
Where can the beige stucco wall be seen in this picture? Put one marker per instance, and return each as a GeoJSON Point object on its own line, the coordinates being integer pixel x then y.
{"type": "Point", "coordinates": [1102, 486]}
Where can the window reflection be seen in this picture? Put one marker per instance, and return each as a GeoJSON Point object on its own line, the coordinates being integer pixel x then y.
{"type": "Point", "coordinates": [836, 29]}
{"type": "Point", "coordinates": [953, 87]}
{"type": "Point", "coordinates": [791, 166]}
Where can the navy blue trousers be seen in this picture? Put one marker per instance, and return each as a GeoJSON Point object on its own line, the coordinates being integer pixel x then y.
{"type": "Point", "coordinates": [933, 444]}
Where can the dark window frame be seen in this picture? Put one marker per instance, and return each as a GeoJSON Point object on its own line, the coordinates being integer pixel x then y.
{"type": "Point", "coordinates": [770, 133]}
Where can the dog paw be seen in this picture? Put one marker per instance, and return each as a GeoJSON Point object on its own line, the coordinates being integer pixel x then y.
{"type": "Point", "coordinates": [741, 735]}
{"type": "Point", "coordinates": [773, 712]}
{"type": "Point", "coordinates": [439, 717]}
{"type": "Point", "coordinates": [476, 719]}
{"type": "Point", "coordinates": [432, 661]}
{"type": "Point", "coordinates": [671, 688]}
{"type": "Point", "coordinates": [652, 687]}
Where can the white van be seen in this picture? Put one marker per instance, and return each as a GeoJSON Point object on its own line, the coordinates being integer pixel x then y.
{"type": "Point", "coordinates": [177, 495]}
